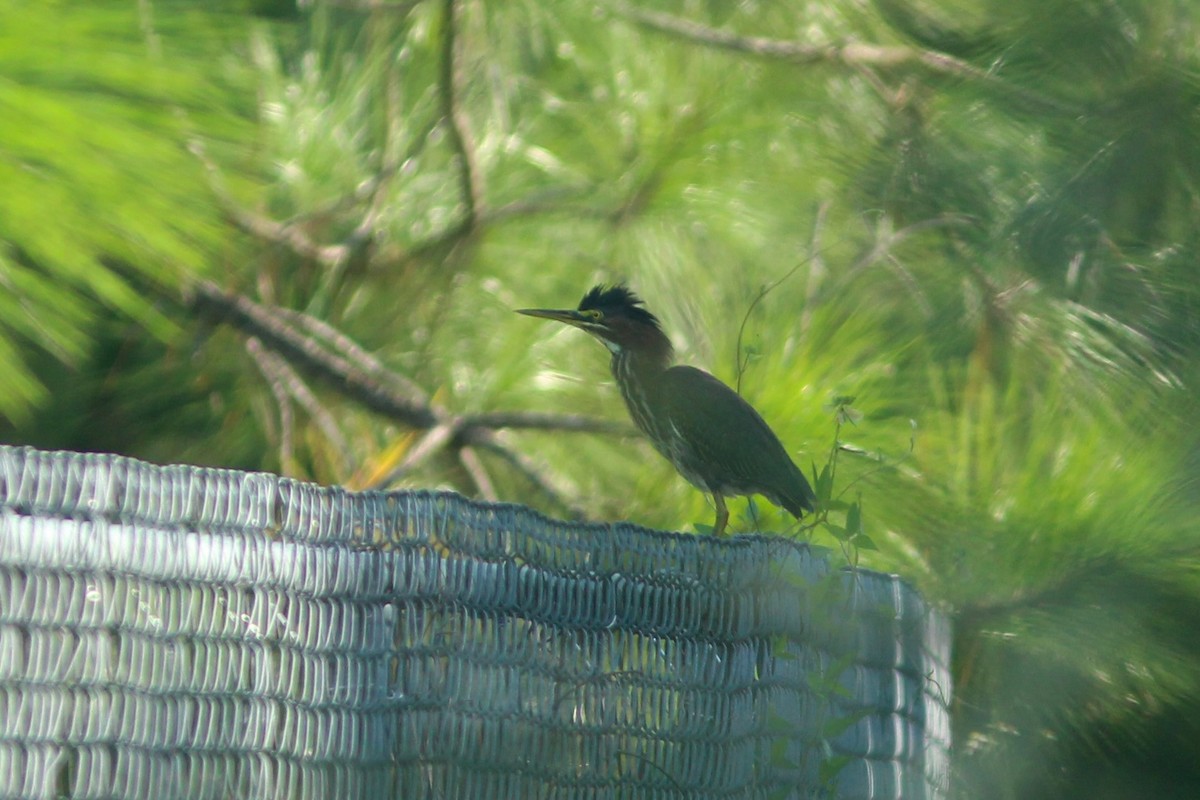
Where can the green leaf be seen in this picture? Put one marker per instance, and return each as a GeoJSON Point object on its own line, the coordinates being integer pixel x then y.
{"type": "Point", "coordinates": [863, 542]}
{"type": "Point", "coordinates": [824, 487]}
{"type": "Point", "coordinates": [837, 531]}
{"type": "Point", "coordinates": [854, 519]}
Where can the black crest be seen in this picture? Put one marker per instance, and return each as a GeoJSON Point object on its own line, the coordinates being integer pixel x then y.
{"type": "Point", "coordinates": [618, 300]}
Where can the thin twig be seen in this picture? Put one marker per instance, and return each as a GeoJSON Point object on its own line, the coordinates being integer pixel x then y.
{"type": "Point", "coordinates": [435, 439]}
{"type": "Point", "coordinates": [374, 5]}
{"type": "Point", "coordinates": [763, 292]}
{"type": "Point", "coordinates": [914, 285]}
{"type": "Point", "coordinates": [268, 364]}
{"type": "Point", "coordinates": [816, 270]}
{"type": "Point", "coordinates": [288, 236]}
{"type": "Point", "coordinates": [537, 420]}
{"type": "Point", "coordinates": [308, 400]}
{"type": "Point", "coordinates": [853, 54]}
{"type": "Point", "coordinates": [478, 473]}
{"type": "Point", "coordinates": [525, 466]}
{"type": "Point", "coordinates": [469, 182]}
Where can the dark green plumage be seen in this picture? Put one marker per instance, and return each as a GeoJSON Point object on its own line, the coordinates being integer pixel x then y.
{"type": "Point", "coordinates": [713, 437]}
{"type": "Point", "coordinates": [727, 445]}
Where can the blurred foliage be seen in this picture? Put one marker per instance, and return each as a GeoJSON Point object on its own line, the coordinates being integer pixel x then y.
{"type": "Point", "coordinates": [989, 235]}
{"type": "Point", "coordinates": [101, 197]}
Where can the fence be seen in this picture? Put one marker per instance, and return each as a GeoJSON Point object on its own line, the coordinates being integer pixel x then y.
{"type": "Point", "coordinates": [176, 632]}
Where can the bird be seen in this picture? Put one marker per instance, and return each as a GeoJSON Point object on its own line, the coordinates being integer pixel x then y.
{"type": "Point", "coordinates": [713, 437]}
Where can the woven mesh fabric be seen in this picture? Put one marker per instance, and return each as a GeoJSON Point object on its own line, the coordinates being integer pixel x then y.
{"type": "Point", "coordinates": [176, 632]}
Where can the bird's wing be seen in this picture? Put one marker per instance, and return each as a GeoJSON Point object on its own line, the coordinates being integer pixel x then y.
{"type": "Point", "coordinates": [725, 432]}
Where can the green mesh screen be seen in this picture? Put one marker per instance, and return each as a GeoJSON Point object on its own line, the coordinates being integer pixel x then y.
{"type": "Point", "coordinates": [174, 632]}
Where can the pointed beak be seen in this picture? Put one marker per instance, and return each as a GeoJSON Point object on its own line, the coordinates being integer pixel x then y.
{"type": "Point", "coordinates": [567, 315]}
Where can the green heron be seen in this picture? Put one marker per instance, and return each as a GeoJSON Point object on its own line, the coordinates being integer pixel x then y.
{"type": "Point", "coordinates": [713, 437]}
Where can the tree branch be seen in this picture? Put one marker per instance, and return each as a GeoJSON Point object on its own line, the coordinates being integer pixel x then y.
{"type": "Point", "coordinates": [478, 473]}
{"type": "Point", "coordinates": [352, 351]}
{"type": "Point", "coordinates": [537, 420]}
{"type": "Point", "coordinates": [372, 390]}
{"type": "Point", "coordinates": [282, 376]}
{"type": "Point", "coordinates": [854, 54]}
{"type": "Point", "coordinates": [350, 370]}
{"type": "Point", "coordinates": [288, 236]}
{"type": "Point", "coordinates": [435, 440]}
{"type": "Point", "coordinates": [460, 140]}
{"type": "Point", "coordinates": [525, 466]}
{"type": "Point", "coordinates": [268, 364]}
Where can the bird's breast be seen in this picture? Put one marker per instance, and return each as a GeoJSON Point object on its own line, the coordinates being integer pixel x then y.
{"type": "Point", "coordinates": [645, 405]}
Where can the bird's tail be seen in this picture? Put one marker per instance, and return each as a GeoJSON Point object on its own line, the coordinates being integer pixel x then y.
{"type": "Point", "coordinates": [798, 496]}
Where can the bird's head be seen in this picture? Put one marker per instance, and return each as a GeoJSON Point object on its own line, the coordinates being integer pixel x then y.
{"type": "Point", "coordinates": [617, 317]}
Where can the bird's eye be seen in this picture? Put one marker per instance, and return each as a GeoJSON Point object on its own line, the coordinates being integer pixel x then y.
{"type": "Point", "coordinates": [594, 313]}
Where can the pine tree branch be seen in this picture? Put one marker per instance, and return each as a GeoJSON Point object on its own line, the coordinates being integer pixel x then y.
{"type": "Point", "coordinates": [469, 181]}
{"type": "Point", "coordinates": [542, 421]}
{"type": "Point", "coordinates": [268, 364]}
{"type": "Point", "coordinates": [288, 236]}
{"type": "Point", "coordinates": [287, 385]}
{"type": "Point", "coordinates": [343, 365]}
{"type": "Point", "coordinates": [375, 391]}
{"type": "Point", "coordinates": [353, 352]}
{"type": "Point", "coordinates": [525, 466]}
{"type": "Point", "coordinates": [478, 473]}
{"type": "Point", "coordinates": [853, 54]}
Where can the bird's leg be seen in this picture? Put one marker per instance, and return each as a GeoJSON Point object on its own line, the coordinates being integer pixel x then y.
{"type": "Point", "coordinates": [722, 515]}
